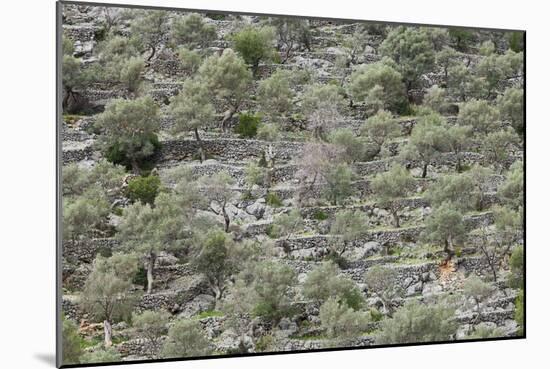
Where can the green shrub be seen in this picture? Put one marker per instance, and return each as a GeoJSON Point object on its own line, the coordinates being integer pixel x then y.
{"type": "Point", "coordinates": [320, 215]}
{"type": "Point", "coordinates": [248, 125]}
{"type": "Point", "coordinates": [519, 314]}
{"type": "Point", "coordinates": [273, 200]}
{"type": "Point", "coordinates": [144, 189]}
{"type": "Point", "coordinates": [117, 155]}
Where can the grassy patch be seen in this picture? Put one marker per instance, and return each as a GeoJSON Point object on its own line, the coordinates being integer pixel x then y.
{"type": "Point", "coordinates": [209, 314]}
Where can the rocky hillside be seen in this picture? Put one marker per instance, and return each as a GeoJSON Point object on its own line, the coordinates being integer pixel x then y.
{"type": "Point", "coordinates": [240, 184]}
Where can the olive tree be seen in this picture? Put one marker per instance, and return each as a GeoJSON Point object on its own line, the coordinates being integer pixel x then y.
{"type": "Point", "coordinates": [217, 190]}
{"type": "Point", "coordinates": [291, 34]}
{"type": "Point", "coordinates": [511, 108]}
{"type": "Point", "coordinates": [429, 139]}
{"type": "Point", "coordinates": [337, 185]}
{"type": "Point", "coordinates": [275, 95]}
{"type": "Point", "coordinates": [119, 60]}
{"type": "Point", "coordinates": [192, 31]}
{"type": "Point", "coordinates": [149, 28]}
{"type": "Point", "coordinates": [325, 282]}
{"type": "Point", "coordinates": [129, 129]}
{"type": "Point", "coordinates": [353, 147]}
{"type": "Point", "coordinates": [351, 48]}
{"type": "Point", "coordinates": [186, 339]}
{"type": "Point", "coordinates": [480, 115]}
{"type": "Point", "coordinates": [496, 246]}
{"type": "Point", "coordinates": [348, 227]}
{"type": "Point", "coordinates": [316, 158]}
{"type": "Point", "coordinates": [379, 85]}
{"type": "Point", "coordinates": [218, 257]}
{"type": "Point", "coordinates": [255, 44]}
{"type": "Point", "coordinates": [151, 326]}
{"type": "Point", "coordinates": [412, 51]}
{"type": "Point", "coordinates": [105, 175]}
{"type": "Point", "coordinates": [495, 69]}
{"type": "Point", "coordinates": [228, 79]}
{"type": "Point", "coordinates": [85, 215]}
{"type": "Point", "coordinates": [379, 128]}
{"type": "Point", "coordinates": [106, 295]}
{"type": "Point", "coordinates": [284, 225]}
{"type": "Point", "coordinates": [418, 322]}
{"type": "Point", "coordinates": [436, 99]}
{"type": "Point", "coordinates": [391, 187]}
{"type": "Point", "coordinates": [512, 191]}
{"type": "Point", "coordinates": [340, 321]}
{"type": "Point", "coordinates": [458, 139]}
{"type": "Point", "coordinates": [445, 225]}
{"type": "Point", "coordinates": [166, 226]}
{"type": "Point", "coordinates": [323, 106]}
{"type": "Point", "coordinates": [458, 189]}
{"type": "Point", "coordinates": [445, 59]}
{"type": "Point", "coordinates": [381, 282]}
{"type": "Point", "coordinates": [73, 77]}
{"type": "Point", "coordinates": [192, 109]}
{"type": "Point", "coordinates": [477, 290]}
{"type": "Point", "coordinates": [497, 147]}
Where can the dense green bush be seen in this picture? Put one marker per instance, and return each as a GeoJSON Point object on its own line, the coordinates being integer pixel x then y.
{"type": "Point", "coordinates": [144, 189]}
{"type": "Point", "coordinates": [248, 125]}
{"type": "Point", "coordinates": [273, 200]}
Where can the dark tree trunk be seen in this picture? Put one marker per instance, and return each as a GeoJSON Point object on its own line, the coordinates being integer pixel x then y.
{"type": "Point", "coordinates": [226, 219]}
{"type": "Point", "coordinates": [395, 219]}
{"type": "Point", "coordinates": [201, 147]}
{"type": "Point", "coordinates": [150, 267]}
{"type": "Point", "coordinates": [108, 331]}
{"type": "Point", "coordinates": [425, 170]}
{"type": "Point", "coordinates": [135, 167]}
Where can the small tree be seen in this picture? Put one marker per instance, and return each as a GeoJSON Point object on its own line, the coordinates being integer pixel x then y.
{"type": "Point", "coordinates": [340, 321]}
{"type": "Point", "coordinates": [391, 187]}
{"type": "Point", "coordinates": [494, 69]}
{"type": "Point", "coordinates": [509, 231]}
{"type": "Point", "coordinates": [106, 295]}
{"type": "Point", "coordinates": [428, 139]}
{"type": "Point", "coordinates": [190, 60]}
{"type": "Point", "coordinates": [379, 128]}
{"type": "Point", "coordinates": [167, 226]}
{"type": "Point", "coordinates": [228, 79]}
{"type": "Point", "coordinates": [461, 37]}
{"type": "Point", "coordinates": [338, 186]}
{"type": "Point", "coordinates": [285, 225]}
{"type": "Point", "coordinates": [416, 322]}
{"type": "Point", "coordinates": [445, 225]}
{"type": "Point", "coordinates": [511, 108]}
{"type": "Point", "coordinates": [460, 81]}
{"type": "Point", "coordinates": [412, 51]}
{"type": "Point", "coordinates": [511, 192]}
{"type": "Point", "coordinates": [186, 339]}
{"type": "Point", "coordinates": [459, 138]}
{"type": "Point", "coordinates": [105, 175]}
{"type": "Point", "coordinates": [192, 31]}
{"type": "Point", "coordinates": [144, 189]}
{"type": "Point", "coordinates": [291, 34]}
{"type": "Point", "coordinates": [323, 106]}
{"type": "Point", "coordinates": [85, 215]}
{"type": "Point", "coordinates": [497, 147]}
{"type": "Point", "coordinates": [275, 95]}
{"type": "Point", "coordinates": [151, 325]}
{"type": "Point", "coordinates": [192, 109]}
{"type": "Point", "coordinates": [382, 78]}
{"type": "Point", "coordinates": [457, 189]}
{"type": "Point", "coordinates": [218, 257]}
{"type": "Point", "coordinates": [477, 290]}
{"type": "Point", "coordinates": [478, 114]}
{"type": "Point", "coordinates": [73, 77]}
{"type": "Point", "coordinates": [436, 99]}
{"type": "Point", "coordinates": [353, 148]}
{"type": "Point", "coordinates": [119, 60]}
{"type": "Point", "coordinates": [255, 44]}
{"type": "Point", "coordinates": [149, 28]}
{"type": "Point", "coordinates": [381, 281]}
{"type": "Point", "coordinates": [446, 58]}
{"type": "Point", "coordinates": [324, 282]}
{"type": "Point", "coordinates": [129, 127]}
{"type": "Point", "coordinates": [269, 133]}
{"type": "Point", "coordinates": [314, 162]}
{"type": "Point", "coordinates": [71, 342]}
{"type": "Point", "coordinates": [217, 189]}
{"type": "Point", "coordinates": [348, 227]}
